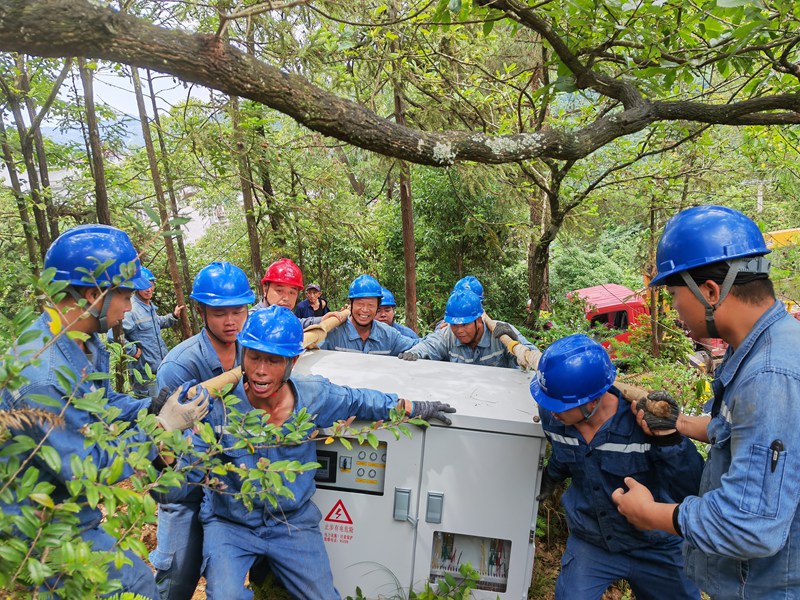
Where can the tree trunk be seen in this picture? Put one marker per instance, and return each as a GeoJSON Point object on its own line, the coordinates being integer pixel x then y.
{"type": "Point", "coordinates": [19, 198]}
{"type": "Point", "coordinates": [246, 184]}
{"type": "Point", "coordinates": [96, 158]}
{"type": "Point", "coordinates": [172, 262]}
{"type": "Point", "coordinates": [186, 279]}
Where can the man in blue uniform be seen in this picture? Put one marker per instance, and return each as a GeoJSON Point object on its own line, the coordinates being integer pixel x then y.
{"type": "Point", "coordinates": [288, 534]}
{"type": "Point", "coordinates": [742, 529]}
{"type": "Point", "coordinates": [466, 339]}
{"type": "Point", "coordinates": [596, 442]}
{"type": "Point", "coordinates": [142, 326]}
{"type": "Point", "coordinates": [361, 332]}
{"type": "Point", "coordinates": [222, 294]}
{"type": "Point", "coordinates": [386, 312]}
{"type": "Point", "coordinates": [101, 269]}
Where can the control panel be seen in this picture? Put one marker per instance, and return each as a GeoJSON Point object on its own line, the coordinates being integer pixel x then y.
{"type": "Point", "coordinates": [361, 469]}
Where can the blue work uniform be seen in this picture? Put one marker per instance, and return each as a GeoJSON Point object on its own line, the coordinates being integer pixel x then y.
{"type": "Point", "coordinates": [742, 530]}
{"type": "Point", "coordinates": [304, 321]}
{"type": "Point", "coordinates": [179, 552]}
{"type": "Point", "coordinates": [143, 327]}
{"type": "Point", "coordinates": [442, 344]}
{"type": "Point", "coordinates": [287, 535]}
{"type": "Point", "coordinates": [602, 546]}
{"type": "Point", "coordinates": [69, 442]}
{"type": "Point", "coordinates": [406, 331]}
{"type": "Point", "coordinates": [382, 339]}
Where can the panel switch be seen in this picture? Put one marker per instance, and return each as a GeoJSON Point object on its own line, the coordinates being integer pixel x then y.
{"type": "Point", "coordinates": [402, 503]}
{"type": "Point", "coordinates": [433, 514]}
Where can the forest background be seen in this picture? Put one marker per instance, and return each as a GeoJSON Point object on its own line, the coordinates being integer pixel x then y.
{"type": "Point", "coordinates": [538, 146]}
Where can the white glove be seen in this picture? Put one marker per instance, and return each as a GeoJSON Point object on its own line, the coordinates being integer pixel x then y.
{"type": "Point", "coordinates": [180, 416]}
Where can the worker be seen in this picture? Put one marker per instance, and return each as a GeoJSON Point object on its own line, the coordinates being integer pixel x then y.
{"type": "Point", "coordinates": [222, 294]}
{"type": "Point", "coordinates": [362, 332]}
{"type": "Point", "coordinates": [281, 286]}
{"type": "Point", "coordinates": [386, 312]}
{"type": "Point", "coordinates": [742, 529]}
{"type": "Point", "coordinates": [100, 268]}
{"type": "Point", "coordinates": [142, 327]}
{"type": "Point", "coordinates": [314, 305]}
{"type": "Point", "coordinates": [595, 442]}
{"type": "Point", "coordinates": [466, 339]}
{"type": "Point", "coordinates": [288, 534]}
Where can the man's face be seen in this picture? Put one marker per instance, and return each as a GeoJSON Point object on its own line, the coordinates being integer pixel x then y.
{"type": "Point", "coordinates": [690, 310]}
{"type": "Point", "coordinates": [385, 314]}
{"type": "Point", "coordinates": [264, 373]}
{"type": "Point", "coordinates": [120, 304]}
{"type": "Point", "coordinates": [147, 294]}
{"type": "Point", "coordinates": [364, 310]}
{"type": "Point", "coordinates": [225, 322]}
{"type": "Point", "coordinates": [313, 295]}
{"type": "Point", "coordinates": [282, 295]}
{"type": "Point", "coordinates": [469, 333]}
{"type": "Point", "coordinates": [573, 416]}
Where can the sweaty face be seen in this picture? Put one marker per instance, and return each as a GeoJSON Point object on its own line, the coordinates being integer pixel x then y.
{"type": "Point", "coordinates": [313, 295]}
{"type": "Point", "coordinates": [147, 294]}
{"type": "Point", "coordinates": [467, 333]}
{"type": "Point", "coordinates": [282, 295]}
{"type": "Point", "coordinates": [364, 310]}
{"type": "Point", "coordinates": [573, 415]}
{"type": "Point", "coordinates": [385, 314]}
{"type": "Point", "coordinates": [264, 373]}
{"type": "Point", "coordinates": [225, 322]}
{"type": "Point", "coordinates": [120, 304]}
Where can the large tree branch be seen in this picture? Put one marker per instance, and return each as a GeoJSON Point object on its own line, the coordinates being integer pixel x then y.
{"type": "Point", "coordinates": [65, 28]}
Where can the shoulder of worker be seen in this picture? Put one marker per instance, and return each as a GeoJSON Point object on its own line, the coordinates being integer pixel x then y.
{"type": "Point", "coordinates": [187, 361]}
{"type": "Point", "coordinates": [406, 331]}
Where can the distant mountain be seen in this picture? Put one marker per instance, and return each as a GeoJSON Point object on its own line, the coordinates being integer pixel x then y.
{"type": "Point", "coordinates": [133, 137]}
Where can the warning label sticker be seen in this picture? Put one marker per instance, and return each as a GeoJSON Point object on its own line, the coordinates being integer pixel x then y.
{"type": "Point", "coordinates": [339, 514]}
{"type": "Point", "coordinates": [338, 526]}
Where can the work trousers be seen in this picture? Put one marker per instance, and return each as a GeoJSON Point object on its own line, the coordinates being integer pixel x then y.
{"type": "Point", "coordinates": [179, 553]}
{"type": "Point", "coordinates": [654, 573]}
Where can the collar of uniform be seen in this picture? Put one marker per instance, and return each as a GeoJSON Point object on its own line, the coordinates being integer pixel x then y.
{"type": "Point", "coordinates": [733, 359]}
{"type": "Point", "coordinates": [71, 350]}
{"type": "Point", "coordinates": [210, 355]}
{"type": "Point", "coordinates": [484, 342]}
{"type": "Point", "coordinates": [149, 307]}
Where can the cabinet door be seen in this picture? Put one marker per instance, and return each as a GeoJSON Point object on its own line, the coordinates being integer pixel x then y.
{"type": "Point", "coordinates": [481, 486]}
{"type": "Point", "coordinates": [367, 546]}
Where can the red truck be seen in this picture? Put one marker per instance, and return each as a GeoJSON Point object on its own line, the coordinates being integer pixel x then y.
{"type": "Point", "coordinates": [614, 307]}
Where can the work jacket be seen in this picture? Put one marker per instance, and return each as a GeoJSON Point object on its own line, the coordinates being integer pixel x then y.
{"type": "Point", "coordinates": [406, 331]}
{"type": "Point", "coordinates": [304, 321]}
{"type": "Point", "coordinates": [66, 358]}
{"type": "Point", "coordinates": [327, 403]}
{"type": "Point", "coordinates": [619, 449]}
{"type": "Point", "coordinates": [382, 340]}
{"type": "Point", "coordinates": [743, 529]}
{"type": "Point", "coordinates": [143, 327]}
{"type": "Point", "coordinates": [442, 344]}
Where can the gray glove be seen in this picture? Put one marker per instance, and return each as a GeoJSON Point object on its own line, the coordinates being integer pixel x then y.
{"type": "Point", "coordinates": [408, 356]}
{"type": "Point", "coordinates": [432, 410]}
{"type": "Point", "coordinates": [502, 328]}
{"type": "Point", "coordinates": [176, 415]}
{"type": "Point", "coordinates": [547, 487]}
{"type": "Point", "coordinates": [660, 410]}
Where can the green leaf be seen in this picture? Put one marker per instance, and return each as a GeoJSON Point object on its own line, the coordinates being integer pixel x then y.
{"type": "Point", "coordinates": [43, 499]}
{"type": "Point", "coordinates": [51, 457]}
{"type": "Point", "coordinates": [737, 3]}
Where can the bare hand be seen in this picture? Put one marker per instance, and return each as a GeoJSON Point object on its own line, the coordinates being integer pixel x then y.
{"type": "Point", "coordinates": [634, 504]}
{"type": "Point", "coordinates": [178, 310]}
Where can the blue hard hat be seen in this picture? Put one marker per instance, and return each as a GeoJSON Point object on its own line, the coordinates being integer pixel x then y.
{"type": "Point", "coordinates": [703, 235]}
{"type": "Point", "coordinates": [572, 372]}
{"type": "Point", "coordinates": [222, 284]}
{"type": "Point", "coordinates": [463, 307]}
{"type": "Point", "coordinates": [469, 284]}
{"type": "Point", "coordinates": [148, 274]}
{"type": "Point", "coordinates": [387, 299]}
{"type": "Point", "coordinates": [365, 286]}
{"type": "Point", "coordinates": [273, 330]}
{"type": "Point", "coordinates": [96, 255]}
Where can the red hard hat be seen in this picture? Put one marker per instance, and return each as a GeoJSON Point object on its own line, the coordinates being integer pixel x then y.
{"type": "Point", "coordinates": [285, 272]}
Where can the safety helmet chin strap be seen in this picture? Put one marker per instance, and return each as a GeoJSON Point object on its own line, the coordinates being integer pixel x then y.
{"type": "Point", "coordinates": [588, 414]}
{"type": "Point", "coordinates": [755, 265]}
{"type": "Point", "coordinates": [287, 372]}
{"type": "Point", "coordinates": [100, 314]}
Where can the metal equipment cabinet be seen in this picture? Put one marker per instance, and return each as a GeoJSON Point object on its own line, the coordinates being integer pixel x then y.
{"type": "Point", "coordinates": [415, 509]}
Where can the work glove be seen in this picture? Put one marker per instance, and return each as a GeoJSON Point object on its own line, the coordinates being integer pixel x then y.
{"type": "Point", "coordinates": [660, 410]}
{"type": "Point", "coordinates": [176, 415]}
{"type": "Point", "coordinates": [547, 487]}
{"type": "Point", "coordinates": [408, 356]}
{"type": "Point", "coordinates": [502, 328]}
{"type": "Point", "coordinates": [432, 410]}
